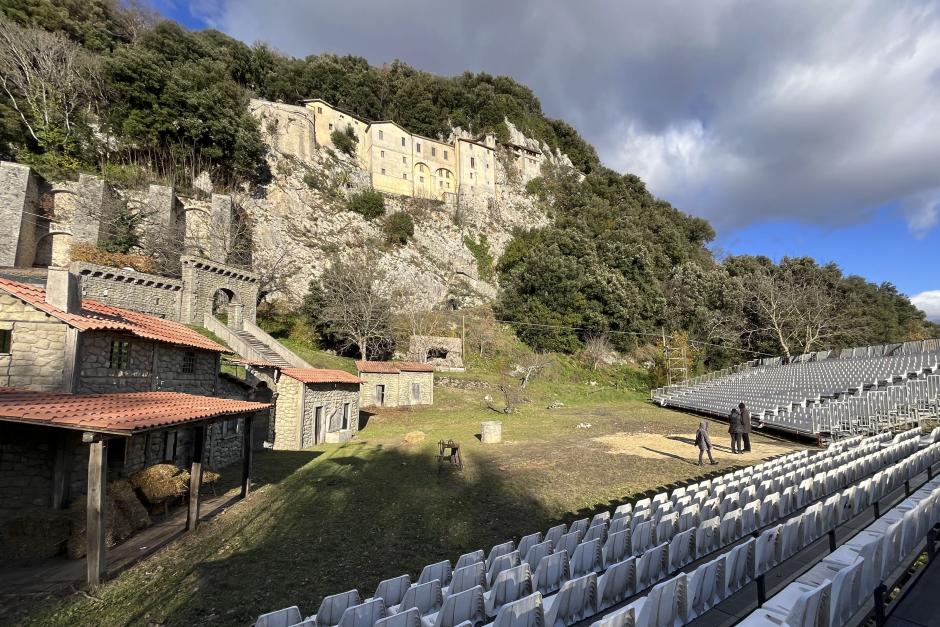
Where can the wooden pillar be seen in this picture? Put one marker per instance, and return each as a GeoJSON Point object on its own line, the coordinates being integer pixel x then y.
{"type": "Point", "coordinates": [247, 453]}
{"type": "Point", "coordinates": [61, 467]}
{"type": "Point", "coordinates": [95, 522]}
{"type": "Point", "coordinates": [195, 477]}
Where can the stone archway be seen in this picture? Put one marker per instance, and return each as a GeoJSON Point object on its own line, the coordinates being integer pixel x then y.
{"type": "Point", "coordinates": [203, 280]}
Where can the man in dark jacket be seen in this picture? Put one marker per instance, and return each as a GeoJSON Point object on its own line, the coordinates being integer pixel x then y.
{"type": "Point", "coordinates": [704, 443]}
{"type": "Point", "coordinates": [745, 427]}
{"type": "Point", "coordinates": [734, 428]}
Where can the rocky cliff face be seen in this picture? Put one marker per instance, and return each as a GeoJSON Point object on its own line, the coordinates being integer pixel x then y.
{"type": "Point", "coordinates": [301, 224]}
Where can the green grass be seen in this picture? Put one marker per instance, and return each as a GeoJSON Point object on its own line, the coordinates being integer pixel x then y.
{"type": "Point", "coordinates": [318, 358]}
{"type": "Point", "coordinates": [336, 517]}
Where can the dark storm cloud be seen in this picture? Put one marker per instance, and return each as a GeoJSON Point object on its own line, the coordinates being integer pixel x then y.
{"type": "Point", "coordinates": [733, 110]}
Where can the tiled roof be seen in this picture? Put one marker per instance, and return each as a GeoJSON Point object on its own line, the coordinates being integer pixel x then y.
{"type": "Point", "coordinates": [95, 316]}
{"type": "Point", "coordinates": [124, 413]}
{"type": "Point", "coordinates": [392, 367]}
{"type": "Point", "coordinates": [320, 375]}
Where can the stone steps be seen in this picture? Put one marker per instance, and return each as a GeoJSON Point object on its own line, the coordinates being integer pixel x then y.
{"type": "Point", "coordinates": [263, 349]}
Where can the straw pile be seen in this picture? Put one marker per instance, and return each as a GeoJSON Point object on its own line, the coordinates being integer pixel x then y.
{"type": "Point", "coordinates": [161, 482]}
{"type": "Point", "coordinates": [129, 505]}
{"type": "Point", "coordinates": [33, 534]}
{"type": "Point", "coordinates": [209, 477]}
{"type": "Point", "coordinates": [125, 515]}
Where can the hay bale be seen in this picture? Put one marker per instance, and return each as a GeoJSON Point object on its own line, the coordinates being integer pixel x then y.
{"type": "Point", "coordinates": [77, 514]}
{"type": "Point", "coordinates": [209, 477]}
{"type": "Point", "coordinates": [129, 505]}
{"type": "Point", "coordinates": [33, 534]}
{"type": "Point", "coordinates": [161, 482]}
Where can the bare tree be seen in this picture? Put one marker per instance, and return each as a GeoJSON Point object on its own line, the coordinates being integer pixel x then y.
{"type": "Point", "coordinates": [49, 80]}
{"type": "Point", "coordinates": [356, 306]}
{"type": "Point", "coordinates": [532, 365]}
{"type": "Point", "coordinates": [596, 350]}
{"type": "Point", "coordinates": [274, 273]}
{"type": "Point", "coordinates": [482, 330]}
{"type": "Point", "coordinates": [413, 316]}
{"type": "Point", "coordinates": [511, 392]}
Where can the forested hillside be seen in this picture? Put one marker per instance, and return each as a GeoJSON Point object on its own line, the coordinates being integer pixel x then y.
{"type": "Point", "coordinates": [90, 86]}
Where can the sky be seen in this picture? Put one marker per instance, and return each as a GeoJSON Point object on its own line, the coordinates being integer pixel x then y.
{"type": "Point", "coordinates": [795, 128]}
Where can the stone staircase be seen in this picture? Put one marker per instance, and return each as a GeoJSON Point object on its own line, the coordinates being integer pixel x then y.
{"type": "Point", "coordinates": [262, 349]}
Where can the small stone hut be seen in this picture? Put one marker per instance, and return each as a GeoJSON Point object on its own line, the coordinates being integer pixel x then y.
{"type": "Point", "coordinates": [395, 383]}
{"type": "Point", "coordinates": [315, 406]}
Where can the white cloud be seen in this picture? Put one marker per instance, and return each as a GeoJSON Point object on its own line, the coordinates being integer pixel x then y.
{"type": "Point", "coordinates": [929, 303]}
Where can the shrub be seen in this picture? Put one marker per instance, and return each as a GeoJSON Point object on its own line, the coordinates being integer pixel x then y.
{"type": "Point", "coordinates": [399, 228]}
{"type": "Point", "coordinates": [92, 254]}
{"type": "Point", "coordinates": [481, 252]}
{"type": "Point", "coordinates": [368, 203]}
{"type": "Point", "coordinates": [345, 141]}
{"type": "Point", "coordinates": [126, 176]}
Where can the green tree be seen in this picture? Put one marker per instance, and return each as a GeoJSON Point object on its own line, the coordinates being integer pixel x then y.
{"type": "Point", "coordinates": [368, 203]}
{"type": "Point", "coordinates": [399, 228]}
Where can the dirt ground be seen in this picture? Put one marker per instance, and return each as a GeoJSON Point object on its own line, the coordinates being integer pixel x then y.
{"type": "Point", "coordinates": [682, 445]}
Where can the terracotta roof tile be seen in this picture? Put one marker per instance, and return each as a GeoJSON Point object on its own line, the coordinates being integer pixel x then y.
{"type": "Point", "coordinates": [124, 413]}
{"type": "Point", "coordinates": [95, 316]}
{"type": "Point", "coordinates": [392, 367]}
{"type": "Point", "coordinates": [320, 375]}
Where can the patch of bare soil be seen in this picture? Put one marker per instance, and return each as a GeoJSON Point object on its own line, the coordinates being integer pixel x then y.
{"type": "Point", "coordinates": [657, 446]}
{"type": "Point", "coordinates": [413, 437]}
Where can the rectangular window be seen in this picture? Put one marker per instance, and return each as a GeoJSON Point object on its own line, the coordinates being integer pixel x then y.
{"type": "Point", "coordinates": [417, 146]}
{"type": "Point", "coordinates": [402, 141]}
{"type": "Point", "coordinates": [120, 355]}
{"type": "Point", "coordinates": [381, 135]}
{"type": "Point", "coordinates": [440, 184]}
{"type": "Point", "coordinates": [445, 154]}
{"type": "Point", "coordinates": [383, 154]}
{"type": "Point", "coordinates": [473, 162]}
{"type": "Point", "coordinates": [404, 175]}
{"type": "Point", "coordinates": [230, 427]}
{"type": "Point", "coordinates": [383, 170]}
{"type": "Point", "coordinates": [415, 391]}
{"type": "Point", "coordinates": [471, 175]}
{"type": "Point", "coordinates": [331, 126]}
{"type": "Point", "coordinates": [422, 179]}
{"type": "Point", "coordinates": [345, 416]}
{"type": "Point", "coordinates": [433, 151]}
{"type": "Point", "coordinates": [319, 109]}
{"type": "Point", "coordinates": [6, 340]}
{"type": "Point", "coordinates": [404, 160]}
{"type": "Point", "coordinates": [189, 363]}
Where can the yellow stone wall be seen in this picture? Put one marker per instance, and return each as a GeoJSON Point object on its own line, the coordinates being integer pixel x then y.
{"type": "Point", "coordinates": [477, 168]}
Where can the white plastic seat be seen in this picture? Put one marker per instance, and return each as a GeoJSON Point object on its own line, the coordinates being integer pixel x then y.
{"type": "Point", "coordinates": [503, 562]}
{"type": "Point", "coordinates": [623, 510]}
{"type": "Point", "coordinates": [737, 566]}
{"type": "Point", "coordinates": [555, 533]}
{"type": "Point", "coordinates": [466, 606]}
{"type": "Point", "coordinates": [869, 546]}
{"type": "Point", "coordinates": [652, 566]}
{"type": "Point", "coordinates": [730, 527]}
{"type": "Point", "coordinates": [440, 571]}
{"type": "Point", "coordinates": [601, 518]}
{"type": "Point", "coordinates": [392, 590]}
{"type": "Point", "coordinates": [681, 549]}
{"type": "Point", "coordinates": [791, 537]}
{"type": "Point", "coordinates": [427, 598]}
{"type": "Point", "coordinates": [688, 517]}
{"type": "Point", "coordinates": [527, 542]}
{"type": "Point", "coordinates": [333, 606]}
{"type": "Point", "coordinates": [466, 578]}
{"type": "Point", "coordinates": [579, 526]}
{"type": "Point", "coordinates": [617, 547]}
{"type": "Point", "coordinates": [364, 614]}
{"type": "Point", "coordinates": [407, 618]}
{"type": "Point", "coordinates": [621, 523]}
{"type": "Point", "coordinates": [705, 587]}
{"type": "Point", "coordinates": [708, 537]}
{"type": "Point", "coordinates": [587, 558]}
{"type": "Point", "coordinates": [767, 550]}
{"type": "Point", "coordinates": [845, 593]}
{"type": "Point", "coordinates": [709, 509]}
{"type": "Point", "coordinates": [595, 532]}
{"type": "Point", "coordinates": [801, 605]}
{"type": "Point", "coordinates": [667, 527]}
{"type": "Point", "coordinates": [470, 558]}
{"type": "Point", "coordinates": [750, 518]}
{"type": "Point", "coordinates": [535, 553]}
{"type": "Point", "coordinates": [642, 537]}
{"type": "Point", "coordinates": [616, 584]}
{"type": "Point", "coordinates": [576, 601]}
{"type": "Point", "coordinates": [510, 585]}
{"type": "Point", "coordinates": [568, 542]}
{"type": "Point", "coordinates": [280, 618]}
{"type": "Point", "coordinates": [624, 617]}
{"type": "Point", "coordinates": [663, 604]}
{"type": "Point", "coordinates": [498, 551]}
{"type": "Point", "coordinates": [526, 612]}
{"type": "Point", "coordinates": [552, 571]}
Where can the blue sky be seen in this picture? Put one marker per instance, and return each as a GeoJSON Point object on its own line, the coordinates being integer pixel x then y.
{"type": "Point", "coordinates": [795, 128]}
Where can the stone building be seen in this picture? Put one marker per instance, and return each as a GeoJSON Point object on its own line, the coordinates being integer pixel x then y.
{"type": "Point", "coordinates": [403, 163]}
{"type": "Point", "coordinates": [315, 406]}
{"type": "Point", "coordinates": [395, 383]}
{"type": "Point", "coordinates": [444, 353]}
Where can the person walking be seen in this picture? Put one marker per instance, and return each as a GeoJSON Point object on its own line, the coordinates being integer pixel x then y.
{"type": "Point", "coordinates": [704, 443]}
{"type": "Point", "coordinates": [734, 428]}
{"type": "Point", "coordinates": [745, 427]}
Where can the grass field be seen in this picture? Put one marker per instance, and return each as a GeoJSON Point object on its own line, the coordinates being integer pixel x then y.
{"type": "Point", "coordinates": [337, 517]}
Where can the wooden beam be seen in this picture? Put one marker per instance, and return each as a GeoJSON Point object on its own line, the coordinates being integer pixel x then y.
{"type": "Point", "coordinates": [195, 477]}
{"type": "Point", "coordinates": [247, 452]}
{"type": "Point", "coordinates": [61, 467]}
{"type": "Point", "coordinates": [97, 499]}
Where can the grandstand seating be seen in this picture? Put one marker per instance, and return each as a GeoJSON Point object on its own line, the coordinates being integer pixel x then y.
{"type": "Point", "coordinates": [736, 528]}
{"type": "Point", "coordinates": [862, 391]}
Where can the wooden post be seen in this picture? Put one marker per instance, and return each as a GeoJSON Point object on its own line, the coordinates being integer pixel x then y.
{"type": "Point", "coordinates": [97, 500]}
{"type": "Point", "coordinates": [247, 452]}
{"type": "Point", "coordinates": [60, 469]}
{"type": "Point", "coordinates": [195, 477]}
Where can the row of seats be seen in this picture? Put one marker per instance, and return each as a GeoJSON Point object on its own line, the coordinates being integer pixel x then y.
{"type": "Point", "coordinates": [631, 550]}
{"type": "Point", "coordinates": [687, 596]}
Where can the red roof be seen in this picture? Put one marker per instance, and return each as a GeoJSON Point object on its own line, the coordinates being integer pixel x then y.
{"type": "Point", "coordinates": [320, 375]}
{"type": "Point", "coordinates": [124, 413]}
{"type": "Point", "coordinates": [392, 367]}
{"type": "Point", "coordinates": [95, 316]}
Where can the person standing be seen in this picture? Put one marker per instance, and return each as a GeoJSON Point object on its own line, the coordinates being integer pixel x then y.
{"type": "Point", "coordinates": [745, 427]}
{"type": "Point", "coordinates": [734, 428]}
{"type": "Point", "coordinates": [704, 443]}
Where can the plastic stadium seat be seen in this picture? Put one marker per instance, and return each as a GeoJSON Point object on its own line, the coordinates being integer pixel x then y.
{"type": "Point", "coordinates": [845, 592]}
{"type": "Point", "coordinates": [597, 532]}
{"type": "Point", "coordinates": [791, 537]}
{"type": "Point", "coordinates": [527, 542]}
{"type": "Point", "coordinates": [737, 566]}
{"type": "Point", "coordinates": [333, 606]}
{"type": "Point", "coordinates": [652, 566]}
{"type": "Point", "coordinates": [364, 614]}
{"type": "Point", "coordinates": [575, 602]}
{"type": "Point", "coordinates": [408, 618]}
{"type": "Point", "coordinates": [730, 527]}
{"type": "Point", "coordinates": [392, 590]}
{"type": "Point", "coordinates": [623, 510]}
{"type": "Point", "coordinates": [498, 551]}
{"type": "Point", "coordinates": [552, 571]}
{"type": "Point", "coordinates": [750, 518]}
{"type": "Point", "coordinates": [555, 533]}
{"type": "Point", "coordinates": [440, 571]}
{"type": "Point", "coordinates": [689, 517]}
{"type": "Point", "coordinates": [663, 604]}
{"type": "Point", "coordinates": [503, 562]}
{"type": "Point", "coordinates": [767, 550]}
{"type": "Point", "coordinates": [710, 509]}
{"type": "Point", "coordinates": [801, 605]}
{"type": "Point", "coordinates": [587, 558]}
{"type": "Point", "coordinates": [568, 542]}
{"type": "Point", "coordinates": [643, 504]}
{"type": "Point", "coordinates": [618, 524]}
{"type": "Point", "coordinates": [642, 537]}
{"type": "Point", "coordinates": [427, 598]}
{"type": "Point", "coordinates": [526, 612]}
{"type": "Point", "coordinates": [624, 617]}
{"type": "Point", "coordinates": [617, 547]}
{"type": "Point", "coordinates": [466, 578]}
{"type": "Point", "coordinates": [601, 518]}
{"type": "Point", "coordinates": [667, 527]}
{"type": "Point", "coordinates": [510, 585]}
{"type": "Point", "coordinates": [616, 584]}
{"type": "Point", "coordinates": [281, 618]}
{"type": "Point", "coordinates": [705, 587]}
{"type": "Point", "coordinates": [708, 537]}
{"type": "Point", "coordinates": [469, 558]}
{"type": "Point", "coordinates": [459, 608]}
{"type": "Point", "coordinates": [579, 526]}
{"type": "Point", "coordinates": [535, 553]}
{"type": "Point", "coordinates": [681, 549]}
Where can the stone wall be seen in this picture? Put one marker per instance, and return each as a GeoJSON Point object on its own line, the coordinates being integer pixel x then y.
{"type": "Point", "coordinates": [149, 293]}
{"type": "Point", "coordinates": [203, 278]}
{"type": "Point", "coordinates": [419, 347]}
{"type": "Point", "coordinates": [151, 366]}
{"type": "Point", "coordinates": [332, 397]}
{"type": "Point", "coordinates": [19, 204]}
{"type": "Point", "coordinates": [424, 381]}
{"type": "Point", "coordinates": [367, 391]}
{"type": "Point", "coordinates": [37, 353]}
{"type": "Point", "coordinates": [287, 411]}
{"type": "Point", "coordinates": [398, 389]}
{"type": "Point", "coordinates": [26, 455]}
